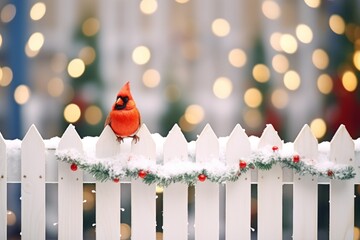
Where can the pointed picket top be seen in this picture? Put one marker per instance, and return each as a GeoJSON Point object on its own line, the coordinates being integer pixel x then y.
{"type": "Point", "coordinates": [70, 139]}
{"type": "Point", "coordinates": [306, 143]}
{"type": "Point", "coordinates": [146, 144]}
{"type": "Point", "coordinates": [270, 137]}
{"type": "Point", "coordinates": [175, 145]}
{"type": "Point", "coordinates": [342, 147]}
{"type": "Point", "coordinates": [237, 145]}
{"type": "Point", "coordinates": [2, 155]}
{"type": "Point", "coordinates": [107, 145]}
{"type": "Point", "coordinates": [31, 147]}
{"type": "Point", "coordinates": [207, 145]}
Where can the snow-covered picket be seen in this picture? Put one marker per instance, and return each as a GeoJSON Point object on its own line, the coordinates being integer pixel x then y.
{"type": "Point", "coordinates": [127, 165]}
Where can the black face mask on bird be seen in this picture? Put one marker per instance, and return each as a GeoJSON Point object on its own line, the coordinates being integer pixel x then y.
{"type": "Point", "coordinates": [121, 102]}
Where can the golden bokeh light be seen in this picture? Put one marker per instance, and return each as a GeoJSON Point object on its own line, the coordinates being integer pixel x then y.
{"type": "Point", "coordinates": [292, 80]}
{"type": "Point", "coordinates": [356, 59]}
{"type": "Point", "coordinates": [125, 230]}
{"type": "Point", "coordinates": [271, 9]}
{"type": "Point", "coordinates": [261, 73]}
{"type": "Point", "coordinates": [151, 78]}
{"type": "Point", "coordinates": [90, 26]}
{"type": "Point", "coordinates": [288, 43]}
{"type": "Point", "coordinates": [320, 59]}
{"type": "Point", "coordinates": [55, 87]}
{"type": "Point", "coordinates": [253, 118]}
{"type": "Point", "coordinates": [182, 1]}
{"type": "Point", "coordinates": [76, 67]}
{"type": "Point", "coordinates": [280, 63]}
{"type": "Point", "coordinates": [10, 218]}
{"type": "Point", "coordinates": [37, 11]}
{"type": "Point", "coordinates": [185, 125]}
{"type": "Point", "coordinates": [304, 33]}
{"type": "Point", "coordinates": [36, 41]}
{"type": "Point", "coordinates": [93, 115]}
{"type": "Point", "coordinates": [89, 199]}
{"type": "Point", "coordinates": [159, 189]}
{"type": "Point", "coordinates": [88, 55]}
{"type": "Point", "coordinates": [194, 114]}
{"type": "Point", "coordinates": [1, 40]}
{"type": "Point", "coordinates": [324, 83]}
{"type": "Point", "coordinates": [318, 127]}
{"type": "Point", "coordinates": [313, 3]}
{"type": "Point", "coordinates": [6, 76]}
{"type": "Point", "coordinates": [148, 6]}
{"type": "Point", "coordinates": [349, 81]}
{"type": "Point", "coordinates": [280, 98]}
{"type": "Point", "coordinates": [237, 57]}
{"type": "Point", "coordinates": [72, 113]}
{"type": "Point", "coordinates": [275, 41]}
{"type": "Point", "coordinates": [141, 55]}
{"type": "Point", "coordinates": [220, 27]}
{"type": "Point", "coordinates": [8, 13]}
{"type": "Point", "coordinates": [337, 24]}
{"type": "Point", "coordinates": [253, 97]}
{"type": "Point", "coordinates": [222, 87]}
{"type": "Point", "coordinates": [22, 94]}
{"type": "Point", "coordinates": [30, 53]}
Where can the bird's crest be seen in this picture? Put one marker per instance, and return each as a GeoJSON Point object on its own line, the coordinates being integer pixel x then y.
{"type": "Point", "coordinates": [125, 91]}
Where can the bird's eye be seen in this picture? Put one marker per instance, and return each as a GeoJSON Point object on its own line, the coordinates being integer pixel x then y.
{"type": "Point", "coordinates": [125, 99]}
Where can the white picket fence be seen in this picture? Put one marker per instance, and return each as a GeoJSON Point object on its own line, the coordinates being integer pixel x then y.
{"type": "Point", "coordinates": [39, 166]}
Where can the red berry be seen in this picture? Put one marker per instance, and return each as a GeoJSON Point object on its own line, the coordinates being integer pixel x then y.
{"type": "Point", "coordinates": [275, 148]}
{"type": "Point", "coordinates": [202, 177]}
{"type": "Point", "coordinates": [73, 167]}
{"type": "Point", "coordinates": [116, 180]}
{"type": "Point", "coordinates": [142, 174]}
{"type": "Point", "coordinates": [296, 158]}
{"type": "Point", "coordinates": [242, 164]}
{"type": "Point", "coordinates": [330, 173]}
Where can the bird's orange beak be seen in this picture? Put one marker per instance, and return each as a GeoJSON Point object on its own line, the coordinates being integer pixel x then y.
{"type": "Point", "coordinates": [119, 101]}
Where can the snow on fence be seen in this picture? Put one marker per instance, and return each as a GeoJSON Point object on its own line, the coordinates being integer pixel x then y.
{"type": "Point", "coordinates": [33, 162]}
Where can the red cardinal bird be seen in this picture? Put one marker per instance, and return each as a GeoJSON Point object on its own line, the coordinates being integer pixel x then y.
{"type": "Point", "coordinates": [124, 117]}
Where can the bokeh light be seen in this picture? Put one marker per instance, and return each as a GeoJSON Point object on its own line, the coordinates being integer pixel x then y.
{"type": "Point", "coordinates": [22, 94]}
{"type": "Point", "coordinates": [220, 27]}
{"type": "Point", "coordinates": [185, 125]}
{"type": "Point", "coordinates": [324, 83]}
{"type": "Point", "coordinates": [76, 67]}
{"type": "Point", "coordinates": [304, 33]}
{"type": "Point", "coordinates": [182, 1]}
{"type": "Point", "coordinates": [222, 87]}
{"type": "Point", "coordinates": [1, 40]}
{"type": "Point", "coordinates": [320, 59]}
{"type": "Point", "coordinates": [253, 97]}
{"type": "Point", "coordinates": [288, 43]}
{"type": "Point", "coordinates": [72, 113]}
{"type": "Point", "coordinates": [194, 114]}
{"type": "Point", "coordinates": [93, 115]}
{"type": "Point", "coordinates": [151, 78]}
{"type": "Point", "coordinates": [313, 3]}
{"type": "Point", "coordinates": [8, 13]}
{"type": "Point", "coordinates": [36, 41]}
{"type": "Point", "coordinates": [253, 118]}
{"type": "Point", "coordinates": [280, 98]}
{"type": "Point", "coordinates": [90, 26]}
{"type": "Point", "coordinates": [337, 24]}
{"type": "Point", "coordinates": [88, 55]}
{"type": "Point", "coordinates": [356, 59]}
{"type": "Point", "coordinates": [271, 9]}
{"type": "Point", "coordinates": [6, 76]}
{"type": "Point", "coordinates": [237, 57]}
{"type": "Point", "coordinates": [318, 127]}
{"type": "Point", "coordinates": [280, 63]}
{"type": "Point", "coordinates": [37, 11]}
{"type": "Point", "coordinates": [349, 81]}
{"type": "Point", "coordinates": [10, 218]}
{"type": "Point", "coordinates": [141, 55]}
{"type": "Point", "coordinates": [148, 6]}
{"type": "Point", "coordinates": [275, 41]}
{"type": "Point", "coordinates": [125, 230]}
{"type": "Point", "coordinates": [55, 87]}
{"type": "Point", "coordinates": [261, 73]}
{"type": "Point", "coordinates": [292, 80]}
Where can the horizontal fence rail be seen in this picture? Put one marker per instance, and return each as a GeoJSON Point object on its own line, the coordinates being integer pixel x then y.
{"type": "Point", "coordinates": [236, 162]}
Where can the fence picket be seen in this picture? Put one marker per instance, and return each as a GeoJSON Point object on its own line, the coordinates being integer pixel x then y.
{"type": "Point", "coordinates": [342, 192]}
{"type": "Point", "coordinates": [70, 191]}
{"type": "Point", "coordinates": [270, 191]}
{"type": "Point", "coordinates": [3, 189]}
{"type": "Point", "coordinates": [238, 194]}
{"type": "Point", "coordinates": [175, 196]}
{"type": "Point", "coordinates": [107, 193]}
{"type": "Point", "coordinates": [305, 190]}
{"type": "Point", "coordinates": [33, 185]}
{"type": "Point", "coordinates": [207, 193]}
{"type": "Point", "coordinates": [143, 196]}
